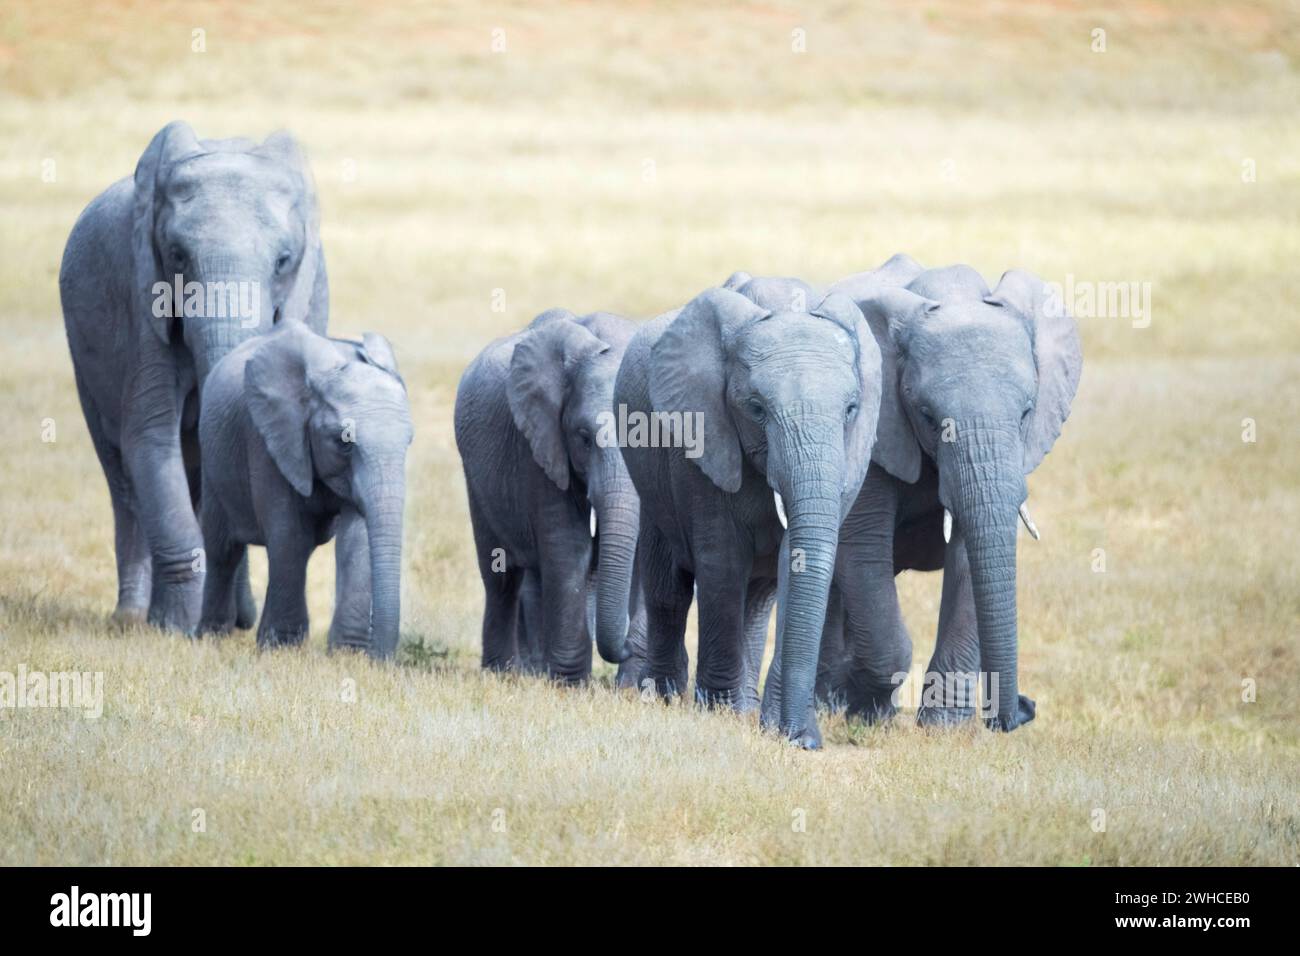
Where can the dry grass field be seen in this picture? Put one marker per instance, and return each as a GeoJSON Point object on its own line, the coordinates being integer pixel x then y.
{"type": "Point", "coordinates": [624, 157]}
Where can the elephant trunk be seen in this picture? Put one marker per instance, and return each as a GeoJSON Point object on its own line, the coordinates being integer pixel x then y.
{"type": "Point", "coordinates": [384, 504]}
{"type": "Point", "coordinates": [236, 305]}
{"type": "Point", "coordinates": [983, 466]}
{"type": "Point", "coordinates": [618, 516]}
{"type": "Point", "coordinates": [812, 500]}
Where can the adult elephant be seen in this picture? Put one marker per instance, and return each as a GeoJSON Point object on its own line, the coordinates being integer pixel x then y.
{"type": "Point", "coordinates": [784, 388]}
{"type": "Point", "coordinates": [977, 385]}
{"type": "Point", "coordinates": [232, 225]}
{"type": "Point", "coordinates": [547, 496]}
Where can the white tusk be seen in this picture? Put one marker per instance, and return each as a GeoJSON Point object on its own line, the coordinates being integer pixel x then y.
{"type": "Point", "coordinates": [593, 522]}
{"type": "Point", "coordinates": [947, 525]}
{"type": "Point", "coordinates": [780, 508]}
{"type": "Point", "coordinates": [1029, 522]}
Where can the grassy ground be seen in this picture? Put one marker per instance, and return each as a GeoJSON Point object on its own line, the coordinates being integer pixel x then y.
{"type": "Point", "coordinates": [624, 157]}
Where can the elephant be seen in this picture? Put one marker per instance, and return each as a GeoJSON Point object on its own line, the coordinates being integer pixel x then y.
{"type": "Point", "coordinates": [555, 516]}
{"type": "Point", "coordinates": [302, 435]}
{"type": "Point", "coordinates": [210, 243]}
{"type": "Point", "coordinates": [977, 387]}
{"type": "Point", "coordinates": [785, 389]}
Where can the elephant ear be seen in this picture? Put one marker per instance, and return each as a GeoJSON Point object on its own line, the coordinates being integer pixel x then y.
{"type": "Point", "coordinates": [890, 313]}
{"type": "Point", "coordinates": [1057, 355]}
{"type": "Point", "coordinates": [173, 142]}
{"type": "Point", "coordinates": [378, 351]}
{"type": "Point", "coordinates": [862, 435]}
{"type": "Point", "coordinates": [544, 361]}
{"type": "Point", "coordinates": [305, 300]}
{"type": "Point", "coordinates": [688, 374]}
{"type": "Point", "coordinates": [276, 389]}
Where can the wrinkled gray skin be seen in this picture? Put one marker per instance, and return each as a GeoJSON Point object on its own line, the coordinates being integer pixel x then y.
{"type": "Point", "coordinates": [1003, 366]}
{"type": "Point", "coordinates": [213, 211]}
{"type": "Point", "coordinates": [301, 434]}
{"type": "Point", "coordinates": [789, 388]}
{"type": "Point", "coordinates": [527, 422]}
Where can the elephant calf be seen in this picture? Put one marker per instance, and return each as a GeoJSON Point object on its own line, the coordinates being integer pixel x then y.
{"type": "Point", "coordinates": [976, 386]}
{"type": "Point", "coordinates": [549, 494]}
{"type": "Point", "coordinates": [302, 434]}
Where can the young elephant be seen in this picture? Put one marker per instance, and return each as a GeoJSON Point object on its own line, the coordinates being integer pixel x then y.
{"type": "Point", "coordinates": [301, 434]}
{"type": "Point", "coordinates": [547, 496]}
{"type": "Point", "coordinates": [977, 385]}
{"type": "Point", "coordinates": [785, 389]}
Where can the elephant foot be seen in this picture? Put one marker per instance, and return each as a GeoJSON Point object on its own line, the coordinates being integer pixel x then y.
{"type": "Point", "coordinates": [833, 701]}
{"type": "Point", "coordinates": [213, 628]}
{"type": "Point", "coordinates": [246, 612]}
{"type": "Point", "coordinates": [944, 716]}
{"type": "Point", "coordinates": [175, 607]}
{"type": "Point", "coordinates": [128, 618]}
{"type": "Point", "coordinates": [665, 688]}
{"type": "Point", "coordinates": [629, 674]}
{"type": "Point", "coordinates": [567, 678]}
{"type": "Point", "coordinates": [1024, 712]}
{"type": "Point", "coordinates": [286, 636]}
{"type": "Point", "coordinates": [871, 703]}
{"type": "Point", "coordinates": [723, 699]}
{"type": "Point", "coordinates": [350, 644]}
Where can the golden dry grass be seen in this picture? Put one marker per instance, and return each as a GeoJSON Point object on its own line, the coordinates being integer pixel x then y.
{"type": "Point", "coordinates": [446, 172]}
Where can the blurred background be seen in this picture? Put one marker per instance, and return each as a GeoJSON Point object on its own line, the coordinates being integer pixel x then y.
{"type": "Point", "coordinates": [478, 163]}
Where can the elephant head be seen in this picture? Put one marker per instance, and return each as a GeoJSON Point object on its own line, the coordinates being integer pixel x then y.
{"type": "Point", "coordinates": [787, 384]}
{"type": "Point", "coordinates": [981, 382]}
{"type": "Point", "coordinates": [561, 391]}
{"type": "Point", "coordinates": [225, 239]}
{"type": "Point", "coordinates": [344, 422]}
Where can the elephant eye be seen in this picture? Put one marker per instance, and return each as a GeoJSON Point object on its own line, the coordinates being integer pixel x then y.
{"type": "Point", "coordinates": [584, 436]}
{"type": "Point", "coordinates": [179, 258]}
{"type": "Point", "coordinates": [756, 409]}
{"type": "Point", "coordinates": [1028, 408]}
{"type": "Point", "coordinates": [851, 411]}
{"type": "Point", "coordinates": [282, 263]}
{"type": "Point", "coordinates": [928, 414]}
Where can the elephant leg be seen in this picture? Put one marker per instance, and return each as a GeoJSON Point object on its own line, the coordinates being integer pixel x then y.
{"type": "Point", "coordinates": [284, 619]}
{"type": "Point", "coordinates": [532, 649]}
{"type": "Point", "coordinates": [502, 578]}
{"type": "Point", "coordinates": [668, 591]}
{"type": "Point", "coordinates": [833, 660]}
{"type": "Point", "coordinates": [130, 545]}
{"type": "Point", "coordinates": [245, 603]}
{"type": "Point", "coordinates": [219, 597]}
{"type": "Point", "coordinates": [760, 598]}
{"type": "Point", "coordinates": [350, 626]}
{"type": "Point", "coordinates": [564, 619]}
{"type": "Point", "coordinates": [720, 665]}
{"type": "Point", "coordinates": [873, 620]}
{"type": "Point", "coordinates": [949, 692]}
{"type": "Point", "coordinates": [162, 502]}
{"type": "Point", "coordinates": [134, 563]}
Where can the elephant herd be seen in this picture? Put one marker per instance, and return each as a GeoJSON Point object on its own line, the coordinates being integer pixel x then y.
{"type": "Point", "coordinates": [767, 446]}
